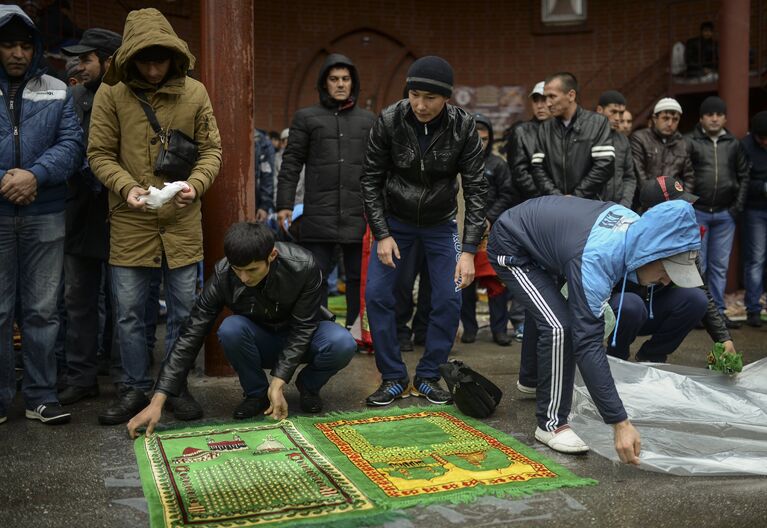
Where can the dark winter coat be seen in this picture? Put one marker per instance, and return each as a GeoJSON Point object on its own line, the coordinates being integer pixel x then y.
{"type": "Point", "coordinates": [87, 206]}
{"type": "Point", "coordinates": [757, 182]}
{"type": "Point", "coordinates": [657, 155]}
{"type": "Point", "coordinates": [288, 298]}
{"type": "Point", "coordinates": [420, 188]}
{"type": "Point", "coordinates": [500, 194]}
{"type": "Point", "coordinates": [329, 139]}
{"type": "Point", "coordinates": [622, 186]}
{"type": "Point", "coordinates": [576, 160]}
{"type": "Point", "coordinates": [721, 171]}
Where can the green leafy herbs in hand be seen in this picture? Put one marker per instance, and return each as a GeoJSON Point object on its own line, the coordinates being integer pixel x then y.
{"type": "Point", "coordinates": [727, 363]}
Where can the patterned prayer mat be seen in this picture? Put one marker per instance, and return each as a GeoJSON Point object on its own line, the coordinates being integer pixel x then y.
{"type": "Point", "coordinates": [342, 469]}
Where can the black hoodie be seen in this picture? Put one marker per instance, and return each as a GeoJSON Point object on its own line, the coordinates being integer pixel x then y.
{"type": "Point", "coordinates": [500, 193]}
{"type": "Point", "coordinates": [329, 139]}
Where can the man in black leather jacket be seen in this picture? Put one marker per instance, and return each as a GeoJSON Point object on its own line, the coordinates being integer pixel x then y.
{"type": "Point", "coordinates": [621, 187]}
{"type": "Point", "coordinates": [521, 145]}
{"type": "Point", "coordinates": [721, 181]}
{"type": "Point", "coordinates": [273, 289]}
{"type": "Point", "coordinates": [667, 313]}
{"type": "Point", "coordinates": [415, 151]}
{"type": "Point", "coordinates": [574, 154]}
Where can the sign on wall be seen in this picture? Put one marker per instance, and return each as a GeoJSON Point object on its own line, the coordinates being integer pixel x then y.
{"type": "Point", "coordinates": [503, 105]}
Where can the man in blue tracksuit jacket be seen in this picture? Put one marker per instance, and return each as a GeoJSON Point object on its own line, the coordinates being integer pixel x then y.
{"type": "Point", "coordinates": [593, 246]}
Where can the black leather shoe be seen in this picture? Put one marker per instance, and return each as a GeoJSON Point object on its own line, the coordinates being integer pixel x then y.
{"type": "Point", "coordinates": [754, 319]}
{"type": "Point", "coordinates": [129, 403]}
{"type": "Point", "coordinates": [406, 345]}
{"type": "Point", "coordinates": [309, 401]}
{"type": "Point", "coordinates": [729, 323]}
{"type": "Point", "coordinates": [74, 394]}
{"type": "Point", "coordinates": [501, 339]}
{"type": "Point", "coordinates": [184, 406]}
{"type": "Point", "coordinates": [250, 407]}
{"type": "Point", "coordinates": [468, 337]}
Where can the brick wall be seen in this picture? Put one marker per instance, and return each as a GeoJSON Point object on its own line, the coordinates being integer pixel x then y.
{"type": "Point", "coordinates": [625, 46]}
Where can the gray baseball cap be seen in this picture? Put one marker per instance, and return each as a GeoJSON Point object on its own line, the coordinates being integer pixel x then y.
{"type": "Point", "coordinates": [95, 39]}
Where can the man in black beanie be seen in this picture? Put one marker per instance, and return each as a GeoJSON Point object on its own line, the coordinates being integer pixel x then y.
{"type": "Point", "coordinates": [755, 241]}
{"type": "Point", "coordinates": [415, 151]}
{"type": "Point", "coordinates": [87, 236]}
{"type": "Point", "coordinates": [721, 183]}
{"type": "Point", "coordinates": [622, 186]}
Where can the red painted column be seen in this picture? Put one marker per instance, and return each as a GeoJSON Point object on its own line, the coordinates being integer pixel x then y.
{"type": "Point", "coordinates": [226, 68]}
{"type": "Point", "coordinates": [734, 29]}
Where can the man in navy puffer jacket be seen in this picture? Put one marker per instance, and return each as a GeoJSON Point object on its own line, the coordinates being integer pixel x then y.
{"type": "Point", "coordinates": [41, 145]}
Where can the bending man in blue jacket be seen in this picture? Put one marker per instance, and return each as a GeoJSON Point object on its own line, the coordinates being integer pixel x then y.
{"type": "Point", "coordinates": [593, 246]}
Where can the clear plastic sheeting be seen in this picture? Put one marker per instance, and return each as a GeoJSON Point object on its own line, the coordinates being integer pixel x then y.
{"type": "Point", "coordinates": [693, 421]}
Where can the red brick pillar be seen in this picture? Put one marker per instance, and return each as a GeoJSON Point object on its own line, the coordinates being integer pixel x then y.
{"type": "Point", "coordinates": [226, 67]}
{"type": "Point", "coordinates": [734, 27]}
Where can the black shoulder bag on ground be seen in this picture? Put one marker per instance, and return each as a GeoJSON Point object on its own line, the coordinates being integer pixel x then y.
{"type": "Point", "coordinates": [473, 394]}
{"type": "Point", "coordinates": [178, 152]}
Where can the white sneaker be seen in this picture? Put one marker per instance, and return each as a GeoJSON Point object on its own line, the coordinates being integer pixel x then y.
{"type": "Point", "coordinates": [562, 439]}
{"type": "Point", "coordinates": [3, 419]}
{"type": "Point", "coordinates": [525, 389]}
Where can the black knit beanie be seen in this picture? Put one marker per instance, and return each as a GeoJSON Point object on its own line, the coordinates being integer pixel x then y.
{"type": "Point", "coordinates": [611, 97]}
{"type": "Point", "coordinates": [431, 74]}
{"type": "Point", "coordinates": [16, 30]}
{"type": "Point", "coordinates": [759, 124]}
{"type": "Point", "coordinates": [712, 105]}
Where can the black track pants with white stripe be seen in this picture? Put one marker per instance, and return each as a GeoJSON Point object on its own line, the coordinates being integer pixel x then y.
{"type": "Point", "coordinates": [539, 294]}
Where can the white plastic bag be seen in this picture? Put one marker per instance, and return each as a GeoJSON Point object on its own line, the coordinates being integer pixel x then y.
{"type": "Point", "coordinates": [159, 197]}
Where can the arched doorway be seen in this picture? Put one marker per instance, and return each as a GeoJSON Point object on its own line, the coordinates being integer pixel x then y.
{"type": "Point", "coordinates": [381, 59]}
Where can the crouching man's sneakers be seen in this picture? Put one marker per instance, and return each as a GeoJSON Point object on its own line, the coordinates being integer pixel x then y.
{"type": "Point", "coordinates": [562, 439]}
{"type": "Point", "coordinates": [49, 414]}
{"type": "Point", "coordinates": [128, 403]}
{"type": "Point", "coordinates": [184, 406]}
{"type": "Point", "coordinates": [524, 389]}
{"type": "Point", "coordinates": [251, 407]}
{"type": "Point", "coordinates": [429, 388]}
{"type": "Point", "coordinates": [389, 391]}
{"type": "Point", "coordinates": [309, 401]}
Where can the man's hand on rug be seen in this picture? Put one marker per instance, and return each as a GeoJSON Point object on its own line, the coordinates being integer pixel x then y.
{"type": "Point", "coordinates": [729, 347]}
{"type": "Point", "coordinates": [148, 417]}
{"type": "Point", "coordinates": [627, 442]}
{"type": "Point", "coordinates": [278, 406]}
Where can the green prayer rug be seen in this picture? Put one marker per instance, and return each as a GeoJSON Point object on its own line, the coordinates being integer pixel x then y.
{"type": "Point", "coordinates": [345, 469]}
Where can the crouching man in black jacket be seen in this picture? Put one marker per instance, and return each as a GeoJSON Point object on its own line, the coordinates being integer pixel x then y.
{"type": "Point", "coordinates": [273, 289]}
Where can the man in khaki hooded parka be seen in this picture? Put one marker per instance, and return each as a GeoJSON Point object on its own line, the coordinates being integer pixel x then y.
{"type": "Point", "coordinates": [122, 151]}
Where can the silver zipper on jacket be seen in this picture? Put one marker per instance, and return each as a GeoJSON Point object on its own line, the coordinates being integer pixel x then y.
{"type": "Point", "coordinates": [716, 176]}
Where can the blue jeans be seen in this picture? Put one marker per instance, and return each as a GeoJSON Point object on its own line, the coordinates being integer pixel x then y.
{"type": "Point", "coordinates": [32, 262]}
{"type": "Point", "coordinates": [755, 252]}
{"type": "Point", "coordinates": [130, 291]}
{"type": "Point", "coordinates": [676, 311]}
{"type": "Point", "coordinates": [442, 248]}
{"type": "Point", "coordinates": [251, 348]}
{"type": "Point", "coordinates": [715, 251]}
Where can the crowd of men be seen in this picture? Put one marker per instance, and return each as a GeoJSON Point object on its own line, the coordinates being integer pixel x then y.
{"type": "Point", "coordinates": [561, 204]}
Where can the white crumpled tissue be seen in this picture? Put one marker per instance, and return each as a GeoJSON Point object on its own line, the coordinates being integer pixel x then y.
{"type": "Point", "coordinates": [159, 197]}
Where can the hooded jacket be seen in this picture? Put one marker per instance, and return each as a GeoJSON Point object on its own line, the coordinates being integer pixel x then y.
{"type": "Point", "coordinates": [39, 131]}
{"type": "Point", "coordinates": [621, 187]}
{"type": "Point", "coordinates": [500, 193]}
{"type": "Point", "coordinates": [420, 188]}
{"type": "Point", "coordinates": [123, 147]}
{"type": "Point", "coordinates": [757, 181]}
{"type": "Point", "coordinates": [721, 171]}
{"type": "Point", "coordinates": [521, 147]}
{"type": "Point", "coordinates": [328, 139]}
{"type": "Point", "coordinates": [576, 160]}
{"type": "Point", "coordinates": [657, 155]}
{"type": "Point", "coordinates": [287, 301]}
{"type": "Point", "coordinates": [594, 245]}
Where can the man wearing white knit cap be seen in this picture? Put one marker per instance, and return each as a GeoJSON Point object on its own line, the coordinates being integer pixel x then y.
{"type": "Point", "coordinates": [660, 150]}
